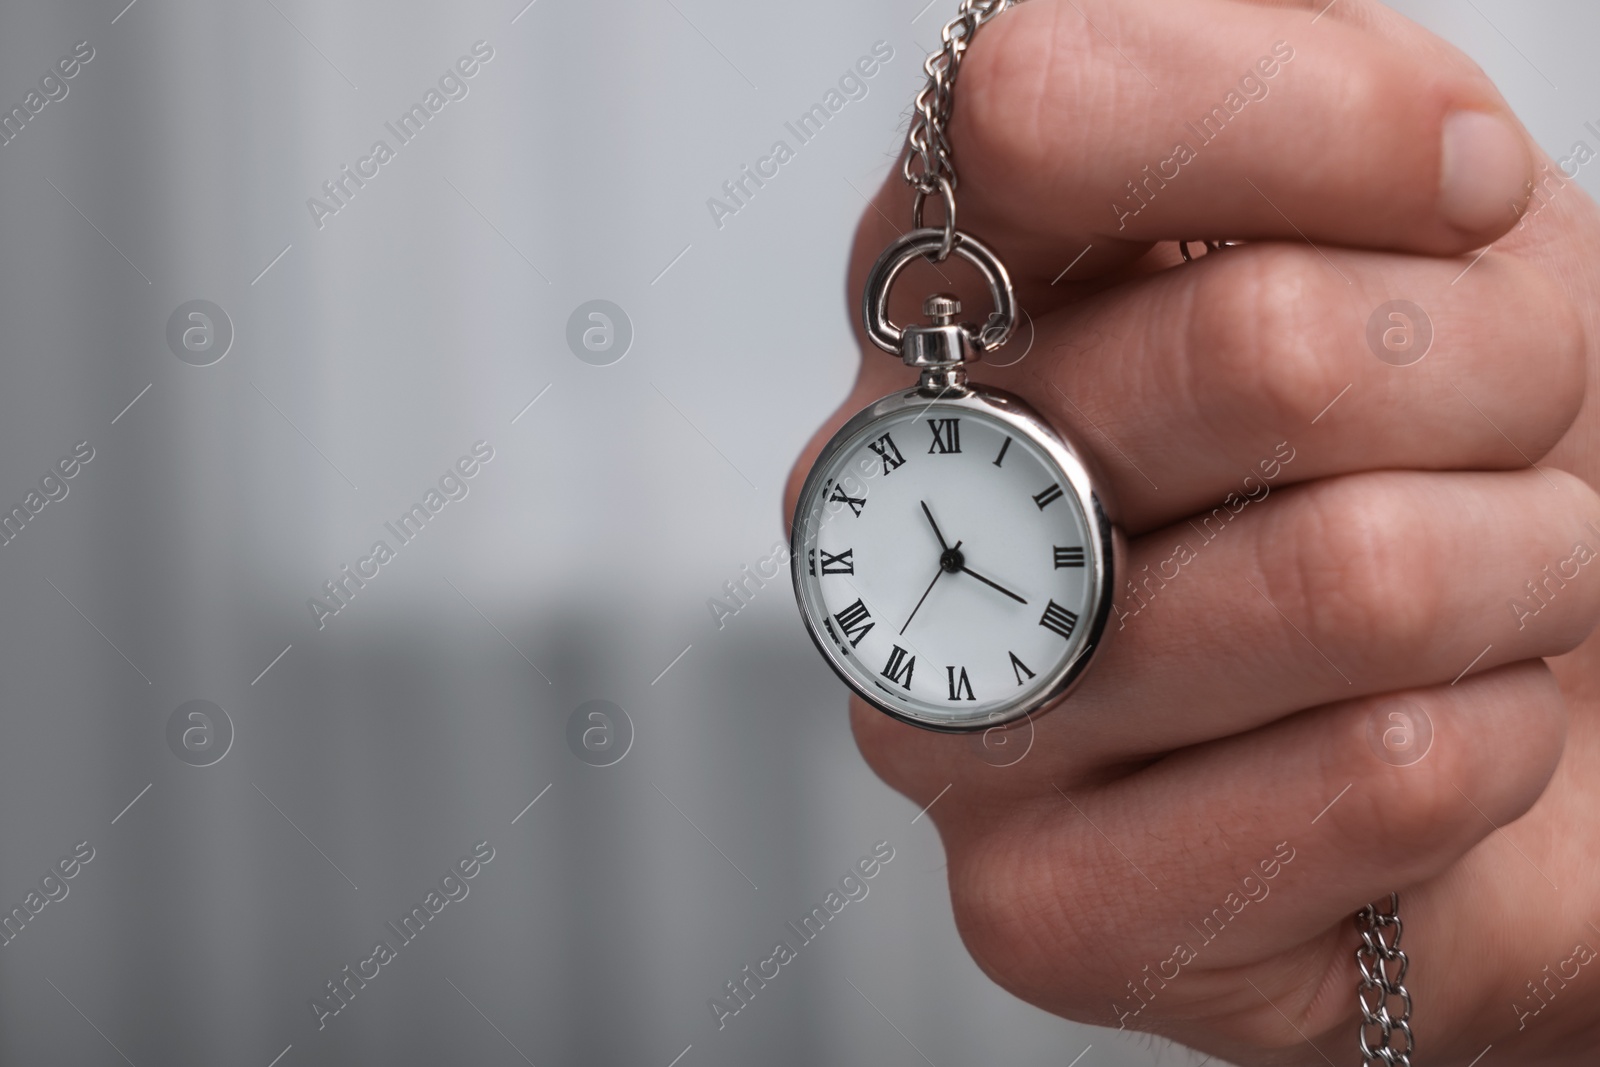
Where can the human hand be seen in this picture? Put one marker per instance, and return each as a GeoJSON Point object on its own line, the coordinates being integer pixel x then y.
{"type": "Point", "coordinates": [1320, 538]}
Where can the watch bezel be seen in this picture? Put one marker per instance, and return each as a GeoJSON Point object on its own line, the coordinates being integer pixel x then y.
{"type": "Point", "coordinates": [1104, 535]}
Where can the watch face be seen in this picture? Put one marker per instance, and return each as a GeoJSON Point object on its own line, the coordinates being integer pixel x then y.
{"type": "Point", "coordinates": [951, 560]}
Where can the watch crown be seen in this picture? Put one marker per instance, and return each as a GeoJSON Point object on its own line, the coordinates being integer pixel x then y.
{"type": "Point", "coordinates": [941, 347]}
{"type": "Point", "coordinates": [941, 308]}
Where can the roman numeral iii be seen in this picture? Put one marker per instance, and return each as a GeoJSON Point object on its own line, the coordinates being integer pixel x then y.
{"type": "Point", "coordinates": [1068, 557]}
{"type": "Point", "coordinates": [886, 450]}
{"type": "Point", "coordinates": [1048, 497]}
{"type": "Point", "coordinates": [899, 667]}
{"type": "Point", "coordinates": [855, 621]}
{"type": "Point", "coordinates": [946, 436]}
{"type": "Point", "coordinates": [1058, 619]}
{"type": "Point", "coordinates": [959, 685]}
{"type": "Point", "coordinates": [843, 563]}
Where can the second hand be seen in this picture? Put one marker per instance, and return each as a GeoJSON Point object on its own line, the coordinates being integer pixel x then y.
{"type": "Point", "coordinates": [928, 590]}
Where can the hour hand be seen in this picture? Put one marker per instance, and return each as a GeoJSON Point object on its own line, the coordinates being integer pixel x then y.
{"type": "Point", "coordinates": [942, 542]}
{"type": "Point", "coordinates": [993, 585]}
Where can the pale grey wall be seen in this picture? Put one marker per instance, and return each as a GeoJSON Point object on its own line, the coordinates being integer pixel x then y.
{"type": "Point", "coordinates": [422, 318]}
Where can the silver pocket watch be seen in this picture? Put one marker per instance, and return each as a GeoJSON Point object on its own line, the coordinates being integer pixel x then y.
{"type": "Point", "coordinates": [952, 557]}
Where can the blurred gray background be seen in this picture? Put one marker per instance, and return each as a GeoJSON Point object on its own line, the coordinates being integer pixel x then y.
{"type": "Point", "coordinates": [370, 349]}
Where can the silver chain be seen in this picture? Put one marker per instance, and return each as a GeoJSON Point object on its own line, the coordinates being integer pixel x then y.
{"type": "Point", "coordinates": [929, 167]}
{"type": "Point", "coordinates": [1385, 1035]}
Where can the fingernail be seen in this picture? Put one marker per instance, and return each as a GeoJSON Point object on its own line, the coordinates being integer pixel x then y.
{"type": "Point", "coordinates": [1483, 171]}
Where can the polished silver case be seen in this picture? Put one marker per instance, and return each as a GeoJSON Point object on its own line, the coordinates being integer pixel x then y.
{"type": "Point", "coordinates": [1106, 539]}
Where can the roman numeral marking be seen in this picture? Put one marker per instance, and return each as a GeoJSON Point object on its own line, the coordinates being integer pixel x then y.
{"type": "Point", "coordinates": [1019, 668]}
{"type": "Point", "coordinates": [855, 621]}
{"type": "Point", "coordinates": [1048, 497]}
{"type": "Point", "coordinates": [843, 563]}
{"type": "Point", "coordinates": [1001, 458]}
{"type": "Point", "coordinates": [946, 436]}
{"type": "Point", "coordinates": [841, 497]}
{"type": "Point", "coordinates": [1068, 557]}
{"type": "Point", "coordinates": [900, 664]}
{"type": "Point", "coordinates": [959, 685]}
{"type": "Point", "coordinates": [886, 450]}
{"type": "Point", "coordinates": [1059, 620]}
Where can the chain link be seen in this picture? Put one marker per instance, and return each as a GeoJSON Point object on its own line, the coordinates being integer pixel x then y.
{"type": "Point", "coordinates": [1385, 1035]}
{"type": "Point", "coordinates": [928, 167]}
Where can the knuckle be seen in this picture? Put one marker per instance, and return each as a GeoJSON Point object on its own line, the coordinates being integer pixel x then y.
{"type": "Point", "coordinates": [1352, 567]}
{"type": "Point", "coordinates": [1558, 596]}
{"type": "Point", "coordinates": [1535, 316]}
{"type": "Point", "coordinates": [1422, 804]}
{"type": "Point", "coordinates": [1469, 780]}
{"type": "Point", "coordinates": [997, 910]}
{"type": "Point", "coordinates": [1021, 901]}
{"type": "Point", "coordinates": [1254, 327]}
{"type": "Point", "coordinates": [1370, 88]}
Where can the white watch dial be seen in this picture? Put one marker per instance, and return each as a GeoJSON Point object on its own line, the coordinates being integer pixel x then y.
{"type": "Point", "coordinates": [947, 565]}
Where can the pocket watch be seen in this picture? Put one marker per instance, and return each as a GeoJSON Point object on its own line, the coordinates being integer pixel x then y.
{"type": "Point", "coordinates": [952, 557]}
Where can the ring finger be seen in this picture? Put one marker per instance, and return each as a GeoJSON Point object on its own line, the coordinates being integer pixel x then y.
{"type": "Point", "coordinates": [1356, 586]}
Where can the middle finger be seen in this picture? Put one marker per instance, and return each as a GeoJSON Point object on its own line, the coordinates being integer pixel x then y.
{"type": "Point", "coordinates": [1268, 365]}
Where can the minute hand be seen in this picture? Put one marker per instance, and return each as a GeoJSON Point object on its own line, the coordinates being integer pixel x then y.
{"type": "Point", "coordinates": [993, 585]}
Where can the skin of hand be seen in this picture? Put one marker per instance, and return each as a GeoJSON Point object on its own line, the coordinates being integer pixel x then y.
{"type": "Point", "coordinates": [1183, 845]}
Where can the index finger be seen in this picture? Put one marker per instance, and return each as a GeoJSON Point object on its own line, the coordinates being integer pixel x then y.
{"type": "Point", "coordinates": [1114, 124]}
